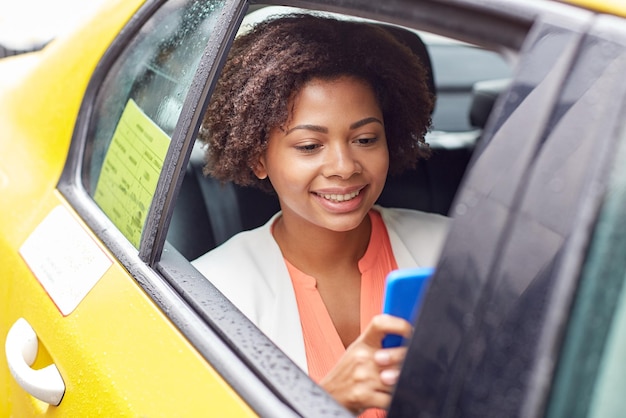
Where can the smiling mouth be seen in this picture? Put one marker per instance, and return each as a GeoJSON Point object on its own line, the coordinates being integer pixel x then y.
{"type": "Point", "coordinates": [339, 197]}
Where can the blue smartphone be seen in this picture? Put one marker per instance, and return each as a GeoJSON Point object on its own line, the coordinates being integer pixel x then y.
{"type": "Point", "coordinates": [404, 289]}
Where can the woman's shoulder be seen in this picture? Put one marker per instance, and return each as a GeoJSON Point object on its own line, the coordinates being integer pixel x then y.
{"type": "Point", "coordinates": [402, 217]}
{"type": "Point", "coordinates": [416, 237]}
{"type": "Point", "coordinates": [237, 253]}
{"type": "Point", "coordinates": [250, 271]}
{"type": "Point", "coordinates": [244, 269]}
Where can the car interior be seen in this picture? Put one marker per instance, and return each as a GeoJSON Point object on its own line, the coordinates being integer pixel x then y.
{"type": "Point", "coordinates": [208, 212]}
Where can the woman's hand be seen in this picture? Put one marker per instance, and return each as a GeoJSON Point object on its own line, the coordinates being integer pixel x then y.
{"type": "Point", "coordinates": [365, 375]}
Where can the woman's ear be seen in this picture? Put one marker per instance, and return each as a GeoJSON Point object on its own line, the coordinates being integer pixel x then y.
{"type": "Point", "coordinates": [259, 169]}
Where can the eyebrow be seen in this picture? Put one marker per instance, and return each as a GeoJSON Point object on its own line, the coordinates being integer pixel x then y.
{"type": "Point", "coordinates": [365, 121]}
{"type": "Point", "coordinates": [324, 130]}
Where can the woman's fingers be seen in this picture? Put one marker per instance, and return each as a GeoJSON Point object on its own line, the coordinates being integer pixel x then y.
{"type": "Point", "coordinates": [389, 361]}
{"type": "Point", "coordinates": [389, 356]}
{"type": "Point", "coordinates": [381, 325]}
{"type": "Point", "coordinates": [390, 377]}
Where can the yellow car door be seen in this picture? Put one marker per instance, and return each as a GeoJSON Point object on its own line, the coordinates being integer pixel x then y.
{"type": "Point", "coordinates": [80, 336]}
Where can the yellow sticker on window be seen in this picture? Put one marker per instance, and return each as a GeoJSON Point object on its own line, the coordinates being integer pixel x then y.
{"type": "Point", "coordinates": [131, 170]}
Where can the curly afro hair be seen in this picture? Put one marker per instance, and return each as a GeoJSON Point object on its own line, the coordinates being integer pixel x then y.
{"type": "Point", "coordinates": [269, 65]}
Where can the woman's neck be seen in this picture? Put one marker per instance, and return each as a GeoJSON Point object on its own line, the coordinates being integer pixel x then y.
{"type": "Point", "coordinates": [319, 251]}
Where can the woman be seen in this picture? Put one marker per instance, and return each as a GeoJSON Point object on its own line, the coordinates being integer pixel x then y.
{"type": "Point", "coordinates": [319, 111]}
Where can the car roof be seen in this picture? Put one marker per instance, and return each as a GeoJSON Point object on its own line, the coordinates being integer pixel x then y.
{"type": "Point", "coordinates": [616, 7]}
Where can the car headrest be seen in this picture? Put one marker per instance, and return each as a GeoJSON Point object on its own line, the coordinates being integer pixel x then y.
{"type": "Point", "coordinates": [413, 41]}
{"type": "Point", "coordinates": [484, 95]}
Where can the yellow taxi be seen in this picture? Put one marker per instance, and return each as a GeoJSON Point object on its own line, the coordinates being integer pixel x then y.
{"type": "Point", "coordinates": [103, 206]}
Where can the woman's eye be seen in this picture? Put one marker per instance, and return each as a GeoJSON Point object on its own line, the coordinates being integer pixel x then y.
{"type": "Point", "coordinates": [307, 147]}
{"type": "Point", "coordinates": [366, 141]}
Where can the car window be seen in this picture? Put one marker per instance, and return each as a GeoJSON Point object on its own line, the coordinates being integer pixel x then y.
{"type": "Point", "coordinates": [219, 211]}
{"type": "Point", "coordinates": [139, 103]}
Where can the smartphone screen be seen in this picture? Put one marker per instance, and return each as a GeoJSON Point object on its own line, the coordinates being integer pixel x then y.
{"type": "Point", "coordinates": [404, 289]}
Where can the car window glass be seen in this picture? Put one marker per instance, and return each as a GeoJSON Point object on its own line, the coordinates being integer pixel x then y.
{"type": "Point", "coordinates": [591, 373]}
{"type": "Point", "coordinates": [137, 108]}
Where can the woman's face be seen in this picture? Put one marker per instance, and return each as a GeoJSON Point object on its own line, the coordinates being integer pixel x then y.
{"type": "Point", "coordinates": [329, 165]}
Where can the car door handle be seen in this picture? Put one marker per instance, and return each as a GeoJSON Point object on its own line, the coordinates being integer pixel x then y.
{"type": "Point", "coordinates": [21, 347]}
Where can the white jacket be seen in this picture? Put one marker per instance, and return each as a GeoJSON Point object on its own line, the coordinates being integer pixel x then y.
{"type": "Point", "coordinates": [250, 271]}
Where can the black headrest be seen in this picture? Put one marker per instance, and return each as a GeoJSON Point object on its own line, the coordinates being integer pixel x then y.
{"type": "Point", "coordinates": [484, 95]}
{"type": "Point", "coordinates": [413, 41]}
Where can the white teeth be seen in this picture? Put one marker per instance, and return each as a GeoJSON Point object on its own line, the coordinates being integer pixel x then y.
{"type": "Point", "coordinates": [339, 197]}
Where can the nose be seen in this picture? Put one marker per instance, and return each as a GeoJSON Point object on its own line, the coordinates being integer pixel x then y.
{"type": "Point", "coordinates": [341, 162]}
